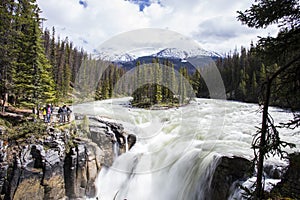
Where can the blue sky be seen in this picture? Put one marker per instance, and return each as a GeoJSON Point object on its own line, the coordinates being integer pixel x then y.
{"type": "Point", "coordinates": [212, 23]}
{"type": "Point", "coordinates": [83, 3]}
{"type": "Point", "coordinates": [142, 3]}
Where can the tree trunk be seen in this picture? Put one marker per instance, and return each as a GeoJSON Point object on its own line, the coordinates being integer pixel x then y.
{"type": "Point", "coordinates": [5, 98]}
{"type": "Point", "coordinates": [259, 191]}
{"type": "Point", "coordinates": [262, 145]}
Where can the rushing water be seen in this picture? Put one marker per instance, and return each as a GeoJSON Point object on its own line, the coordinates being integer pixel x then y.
{"type": "Point", "coordinates": [178, 148]}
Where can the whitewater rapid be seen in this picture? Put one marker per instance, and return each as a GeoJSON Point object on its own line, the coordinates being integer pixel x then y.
{"type": "Point", "coordinates": [177, 148]}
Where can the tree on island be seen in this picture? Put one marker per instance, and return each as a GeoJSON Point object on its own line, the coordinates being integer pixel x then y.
{"type": "Point", "coordinates": [159, 84]}
{"type": "Point", "coordinates": [281, 55]}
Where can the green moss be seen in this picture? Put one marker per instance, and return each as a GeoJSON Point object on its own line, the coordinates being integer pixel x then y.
{"type": "Point", "coordinates": [70, 144]}
{"type": "Point", "coordinates": [84, 125]}
{"type": "Point", "coordinates": [26, 130]}
{"type": "Point", "coordinates": [277, 197]}
{"type": "Point", "coordinates": [4, 123]}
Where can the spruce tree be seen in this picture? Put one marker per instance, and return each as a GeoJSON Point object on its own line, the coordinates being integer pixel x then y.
{"type": "Point", "coordinates": [196, 82]}
{"type": "Point", "coordinates": [33, 84]}
{"type": "Point", "coordinates": [182, 86]}
{"type": "Point", "coordinates": [157, 85]}
{"type": "Point", "coordinates": [7, 60]}
{"type": "Point", "coordinates": [254, 87]}
{"type": "Point", "coordinates": [66, 79]}
{"type": "Point", "coordinates": [139, 82]}
{"type": "Point", "coordinates": [283, 50]}
{"type": "Point", "coordinates": [53, 56]}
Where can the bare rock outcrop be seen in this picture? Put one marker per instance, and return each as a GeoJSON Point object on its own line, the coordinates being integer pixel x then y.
{"type": "Point", "coordinates": [289, 186]}
{"type": "Point", "coordinates": [227, 171]}
{"type": "Point", "coordinates": [50, 168]}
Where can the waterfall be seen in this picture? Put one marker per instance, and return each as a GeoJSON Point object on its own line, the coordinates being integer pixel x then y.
{"type": "Point", "coordinates": [115, 144]}
{"type": "Point", "coordinates": [178, 149]}
{"type": "Point", "coordinates": [116, 149]}
{"type": "Point", "coordinates": [187, 178]}
{"type": "Point", "coordinates": [126, 143]}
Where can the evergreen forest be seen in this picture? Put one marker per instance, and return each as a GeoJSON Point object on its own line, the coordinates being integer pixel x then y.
{"type": "Point", "coordinates": [38, 67]}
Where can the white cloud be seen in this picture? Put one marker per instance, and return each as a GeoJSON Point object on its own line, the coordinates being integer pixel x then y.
{"type": "Point", "coordinates": [211, 22]}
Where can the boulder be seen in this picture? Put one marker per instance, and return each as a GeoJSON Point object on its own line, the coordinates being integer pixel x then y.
{"type": "Point", "coordinates": [106, 134]}
{"type": "Point", "coordinates": [227, 171]}
{"type": "Point", "coordinates": [273, 171]}
{"type": "Point", "coordinates": [131, 140]}
{"type": "Point", "coordinates": [289, 186]}
{"type": "Point", "coordinates": [82, 165]}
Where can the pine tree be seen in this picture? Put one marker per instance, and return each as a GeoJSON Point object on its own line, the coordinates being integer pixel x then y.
{"type": "Point", "coordinates": [7, 60]}
{"type": "Point", "coordinates": [105, 89]}
{"type": "Point", "coordinates": [157, 85]}
{"type": "Point", "coordinates": [67, 70]}
{"type": "Point", "coordinates": [254, 87]}
{"type": "Point", "coordinates": [262, 74]}
{"type": "Point", "coordinates": [165, 81]}
{"type": "Point", "coordinates": [182, 86]}
{"type": "Point", "coordinates": [53, 57]}
{"type": "Point", "coordinates": [286, 14]}
{"type": "Point", "coordinates": [139, 82]}
{"type": "Point", "coordinates": [33, 84]}
{"type": "Point", "coordinates": [173, 82]}
{"type": "Point", "coordinates": [47, 43]}
{"type": "Point", "coordinates": [196, 82]}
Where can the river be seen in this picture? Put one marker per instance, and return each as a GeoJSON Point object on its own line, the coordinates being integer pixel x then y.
{"type": "Point", "coordinates": [177, 148]}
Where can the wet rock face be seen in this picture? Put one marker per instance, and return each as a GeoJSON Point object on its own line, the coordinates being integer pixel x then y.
{"type": "Point", "coordinates": [107, 134]}
{"type": "Point", "coordinates": [228, 171]}
{"type": "Point", "coordinates": [131, 140]}
{"type": "Point", "coordinates": [104, 141]}
{"type": "Point", "coordinates": [82, 165]}
{"type": "Point", "coordinates": [43, 169]}
{"type": "Point", "coordinates": [290, 182]}
{"type": "Point", "coordinates": [34, 171]}
{"type": "Point", "coordinates": [57, 166]}
{"type": "Point", "coordinates": [273, 171]}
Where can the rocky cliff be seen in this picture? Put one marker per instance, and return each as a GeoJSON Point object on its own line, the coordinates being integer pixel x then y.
{"type": "Point", "coordinates": [289, 186]}
{"type": "Point", "coordinates": [109, 135]}
{"type": "Point", "coordinates": [59, 165]}
{"type": "Point", "coordinates": [50, 168]}
{"type": "Point", "coordinates": [227, 171]}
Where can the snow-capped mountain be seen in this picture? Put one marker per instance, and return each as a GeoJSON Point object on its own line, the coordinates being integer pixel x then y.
{"type": "Point", "coordinates": [184, 54]}
{"type": "Point", "coordinates": [173, 53]}
{"type": "Point", "coordinates": [126, 57]}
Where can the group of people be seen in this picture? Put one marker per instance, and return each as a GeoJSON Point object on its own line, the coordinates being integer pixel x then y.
{"type": "Point", "coordinates": [64, 113]}
{"type": "Point", "coordinates": [47, 111]}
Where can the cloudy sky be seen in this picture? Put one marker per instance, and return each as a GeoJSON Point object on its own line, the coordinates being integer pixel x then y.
{"type": "Point", "coordinates": [211, 23]}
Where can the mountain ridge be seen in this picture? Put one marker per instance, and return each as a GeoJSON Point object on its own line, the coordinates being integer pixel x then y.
{"type": "Point", "coordinates": [184, 54]}
{"type": "Point", "coordinates": [173, 53]}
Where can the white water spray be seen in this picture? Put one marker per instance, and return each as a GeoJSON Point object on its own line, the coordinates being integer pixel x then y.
{"type": "Point", "coordinates": [115, 144]}
{"type": "Point", "coordinates": [178, 149]}
{"type": "Point", "coordinates": [126, 143]}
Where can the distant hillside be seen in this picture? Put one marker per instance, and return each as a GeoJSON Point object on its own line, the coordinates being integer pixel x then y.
{"type": "Point", "coordinates": [189, 58]}
{"type": "Point", "coordinates": [177, 62]}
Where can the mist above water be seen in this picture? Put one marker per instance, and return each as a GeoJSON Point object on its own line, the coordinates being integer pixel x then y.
{"type": "Point", "coordinates": [177, 149]}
